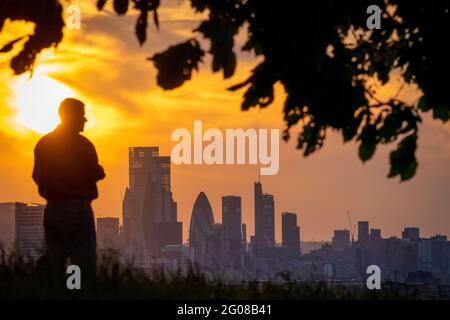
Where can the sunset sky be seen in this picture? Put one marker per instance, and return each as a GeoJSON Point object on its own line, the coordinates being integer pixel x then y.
{"type": "Point", "coordinates": [103, 65]}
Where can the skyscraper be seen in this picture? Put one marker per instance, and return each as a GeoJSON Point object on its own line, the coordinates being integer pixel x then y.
{"type": "Point", "coordinates": [259, 217]}
{"type": "Point", "coordinates": [264, 216]}
{"type": "Point", "coordinates": [290, 233]}
{"type": "Point", "coordinates": [269, 218]}
{"type": "Point", "coordinates": [202, 231]}
{"type": "Point", "coordinates": [411, 233]}
{"type": "Point", "coordinates": [149, 211]}
{"type": "Point", "coordinates": [375, 234]}
{"type": "Point", "coordinates": [29, 230]}
{"type": "Point", "coordinates": [232, 224]}
{"type": "Point", "coordinates": [363, 233]}
{"type": "Point", "coordinates": [341, 239]}
{"type": "Point", "coordinates": [232, 217]}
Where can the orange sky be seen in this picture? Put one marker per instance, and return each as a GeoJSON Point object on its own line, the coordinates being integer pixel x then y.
{"type": "Point", "coordinates": [104, 66]}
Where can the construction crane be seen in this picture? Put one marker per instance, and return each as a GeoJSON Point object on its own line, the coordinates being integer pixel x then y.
{"type": "Point", "coordinates": [350, 227]}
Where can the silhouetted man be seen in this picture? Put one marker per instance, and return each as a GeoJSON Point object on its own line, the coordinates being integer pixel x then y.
{"type": "Point", "coordinates": [66, 170]}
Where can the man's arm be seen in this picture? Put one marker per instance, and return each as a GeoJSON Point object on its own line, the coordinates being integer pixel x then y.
{"type": "Point", "coordinates": [39, 167]}
{"type": "Point", "coordinates": [96, 171]}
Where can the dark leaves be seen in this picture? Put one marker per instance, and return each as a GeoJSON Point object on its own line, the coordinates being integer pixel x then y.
{"type": "Point", "coordinates": [8, 47]}
{"type": "Point", "coordinates": [260, 91]}
{"type": "Point", "coordinates": [311, 138]}
{"type": "Point", "coordinates": [141, 27]}
{"type": "Point", "coordinates": [324, 88]}
{"type": "Point", "coordinates": [101, 4]}
{"type": "Point", "coordinates": [403, 159]}
{"type": "Point", "coordinates": [47, 30]}
{"type": "Point", "coordinates": [175, 65]}
{"type": "Point", "coordinates": [442, 112]}
{"type": "Point", "coordinates": [369, 142]}
{"type": "Point", "coordinates": [221, 34]}
{"type": "Point", "coordinates": [120, 6]}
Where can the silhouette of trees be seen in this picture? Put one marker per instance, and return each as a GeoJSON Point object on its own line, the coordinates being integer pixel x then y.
{"type": "Point", "coordinates": [321, 52]}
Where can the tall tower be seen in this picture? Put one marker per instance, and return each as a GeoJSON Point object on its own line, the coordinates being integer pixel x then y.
{"type": "Point", "coordinates": [232, 217]}
{"type": "Point", "coordinates": [264, 216]}
{"type": "Point", "coordinates": [149, 211]}
{"type": "Point", "coordinates": [232, 224]}
{"type": "Point", "coordinates": [291, 233]}
{"type": "Point", "coordinates": [363, 233]}
{"type": "Point", "coordinates": [269, 218]}
{"type": "Point", "coordinates": [259, 219]}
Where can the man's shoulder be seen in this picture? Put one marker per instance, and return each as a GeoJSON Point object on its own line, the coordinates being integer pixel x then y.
{"type": "Point", "coordinates": [45, 140]}
{"type": "Point", "coordinates": [85, 140]}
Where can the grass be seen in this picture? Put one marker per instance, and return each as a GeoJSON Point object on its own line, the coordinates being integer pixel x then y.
{"type": "Point", "coordinates": [19, 280]}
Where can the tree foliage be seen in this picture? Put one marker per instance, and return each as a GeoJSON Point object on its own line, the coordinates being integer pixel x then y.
{"type": "Point", "coordinates": [319, 50]}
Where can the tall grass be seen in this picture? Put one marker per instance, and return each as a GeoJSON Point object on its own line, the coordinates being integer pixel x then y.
{"type": "Point", "coordinates": [19, 279]}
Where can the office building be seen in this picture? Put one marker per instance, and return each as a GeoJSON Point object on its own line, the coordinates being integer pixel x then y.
{"type": "Point", "coordinates": [232, 227]}
{"type": "Point", "coordinates": [7, 225]}
{"type": "Point", "coordinates": [290, 234]}
{"type": "Point", "coordinates": [411, 233]}
{"type": "Point", "coordinates": [108, 233]}
{"type": "Point", "coordinates": [29, 228]}
{"type": "Point", "coordinates": [149, 211]}
{"type": "Point", "coordinates": [341, 239]}
{"type": "Point", "coordinates": [363, 233]}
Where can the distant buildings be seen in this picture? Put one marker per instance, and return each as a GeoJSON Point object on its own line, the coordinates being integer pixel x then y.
{"type": "Point", "coordinates": [341, 239]}
{"type": "Point", "coordinates": [151, 236]}
{"type": "Point", "coordinates": [400, 260]}
{"type": "Point", "coordinates": [375, 234]}
{"type": "Point", "coordinates": [29, 230]}
{"type": "Point", "coordinates": [108, 233]}
{"type": "Point", "coordinates": [7, 225]}
{"type": "Point", "coordinates": [411, 233]}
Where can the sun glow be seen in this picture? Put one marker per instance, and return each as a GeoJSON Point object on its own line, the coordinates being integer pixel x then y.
{"type": "Point", "coordinates": [37, 100]}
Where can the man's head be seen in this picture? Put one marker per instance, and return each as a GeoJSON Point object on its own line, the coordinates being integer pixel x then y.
{"type": "Point", "coordinates": [71, 113]}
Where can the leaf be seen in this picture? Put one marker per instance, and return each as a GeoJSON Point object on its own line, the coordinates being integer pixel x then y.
{"type": "Point", "coordinates": [260, 91]}
{"type": "Point", "coordinates": [221, 34]}
{"type": "Point", "coordinates": [403, 159]}
{"type": "Point", "coordinates": [441, 112]}
{"type": "Point", "coordinates": [311, 138]}
{"type": "Point", "coordinates": [101, 4]}
{"type": "Point", "coordinates": [349, 132]}
{"type": "Point", "coordinates": [175, 65]}
{"type": "Point", "coordinates": [368, 138]}
{"type": "Point", "coordinates": [8, 47]}
{"type": "Point", "coordinates": [120, 6]}
{"type": "Point", "coordinates": [423, 103]}
{"type": "Point", "coordinates": [141, 27]}
{"type": "Point", "coordinates": [366, 151]}
{"type": "Point", "coordinates": [155, 18]}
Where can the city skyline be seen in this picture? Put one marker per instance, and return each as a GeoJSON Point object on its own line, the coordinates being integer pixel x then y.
{"type": "Point", "coordinates": [151, 236]}
{"type": "Point", "coordinates": [126, 107]}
